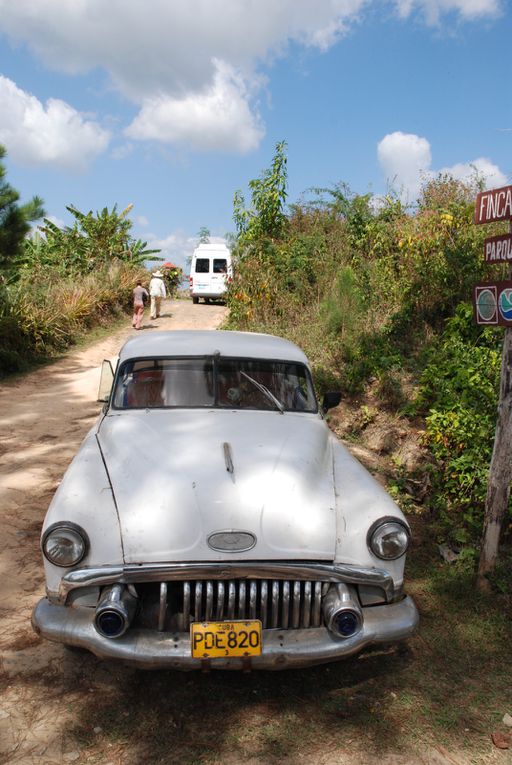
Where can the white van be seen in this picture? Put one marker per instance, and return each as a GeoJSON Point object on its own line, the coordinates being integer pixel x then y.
{"type": "Point", "coordinates": [210, 272]}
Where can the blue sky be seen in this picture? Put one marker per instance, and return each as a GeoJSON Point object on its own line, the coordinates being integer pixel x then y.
{"type": "Point", "coordinates": [172, 105]}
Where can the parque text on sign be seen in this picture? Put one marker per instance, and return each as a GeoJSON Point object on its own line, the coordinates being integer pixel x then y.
{"type": "Point", "coordinates": [498, 249]}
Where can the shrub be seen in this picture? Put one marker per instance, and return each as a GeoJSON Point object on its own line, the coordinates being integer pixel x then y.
{"type": "Point", "coordinates": [459, 394]}
{"type": "Point", "coordinates": [43, 316]}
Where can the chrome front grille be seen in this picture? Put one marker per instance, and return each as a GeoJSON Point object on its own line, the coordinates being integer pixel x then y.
{"type": "Point", "coordinates": [279, 604]}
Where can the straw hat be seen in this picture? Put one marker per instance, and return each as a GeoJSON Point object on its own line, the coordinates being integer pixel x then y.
{"type": "Point", "coordinates": [158, 274]}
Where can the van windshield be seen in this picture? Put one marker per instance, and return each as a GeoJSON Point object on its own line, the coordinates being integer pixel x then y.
{"type": "Point", "coordinates": [226, 383]}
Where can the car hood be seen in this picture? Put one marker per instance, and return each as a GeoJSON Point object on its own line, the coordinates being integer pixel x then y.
{"type": "Point", "coordinates": [172, 487]}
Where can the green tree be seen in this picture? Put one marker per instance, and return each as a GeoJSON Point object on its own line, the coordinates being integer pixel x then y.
{"type": "Point", "coordinates": [15, 221]}
{"type": "Point", "coordinates": [341, 203]}
{"type": "Point", "coordinates": [94, 241]}
{"type": "Point", "coordinates": [266, 216]}
{"type": "Point", "coordinates": [203, 235]}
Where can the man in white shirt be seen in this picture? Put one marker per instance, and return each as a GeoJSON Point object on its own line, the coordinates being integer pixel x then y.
{"type": "Point", "coordinates": [157, 291]}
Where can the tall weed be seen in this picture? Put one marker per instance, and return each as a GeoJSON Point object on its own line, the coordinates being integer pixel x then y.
{"type": "Point", "coordinates": [40, 317]}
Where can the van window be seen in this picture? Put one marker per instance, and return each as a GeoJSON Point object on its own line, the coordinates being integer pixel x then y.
{"type": "Point", "coordinates": [202, 266]}
{"type": "Point", "coordinates": [220, 265]}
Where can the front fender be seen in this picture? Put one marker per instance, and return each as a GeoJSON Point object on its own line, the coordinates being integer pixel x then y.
{"type": "Point", "coordinates": [360, 501]}
{"type": "Point", "coordinates": [85, 497]}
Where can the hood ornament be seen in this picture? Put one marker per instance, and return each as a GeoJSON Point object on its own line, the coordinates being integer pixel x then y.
{"type": "Point", "coordinates": [231, 541]}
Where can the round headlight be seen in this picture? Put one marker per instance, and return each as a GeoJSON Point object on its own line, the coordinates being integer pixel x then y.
{"type": "Point", "coordinates": [388, 538]}
{"type": "Point", "coordinates": [65, 544]}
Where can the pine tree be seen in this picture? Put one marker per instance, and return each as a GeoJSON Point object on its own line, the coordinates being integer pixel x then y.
{"type": "Point", "coordinates": [14, 221]}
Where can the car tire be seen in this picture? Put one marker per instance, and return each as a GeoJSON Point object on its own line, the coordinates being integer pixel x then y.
{"type": "Point", "coordinates": [195, 300]}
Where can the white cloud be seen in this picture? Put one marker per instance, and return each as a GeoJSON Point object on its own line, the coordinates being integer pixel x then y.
{"type": "Point", "coordinates": [165, 57]}
{"type": "Point", "coordinates": [406, 161]}
{"type": "Point", "coordinates": [170, 45]}
{"type": "Point", "coordinates": [219, 118]}
{"type": "Point", "coordinates": [404, 158]}
{"type": "Point", "coordinates": [483, 167]}
{"type": "Point", "coordinates": [433, 10]}
{"type": "Point", "coordinates": [54, 133]}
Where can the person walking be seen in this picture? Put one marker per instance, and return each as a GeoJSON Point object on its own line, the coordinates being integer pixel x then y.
{"type": "Point", "coordinates": [140, 294]}
{"type": "Point", "coordinates": [157, 291]}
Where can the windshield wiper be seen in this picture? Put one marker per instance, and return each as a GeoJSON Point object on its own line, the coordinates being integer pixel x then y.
{"type": "Point", "coordinates": [266, 392]}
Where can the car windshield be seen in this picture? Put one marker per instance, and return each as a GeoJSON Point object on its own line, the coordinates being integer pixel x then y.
{"type": "Point", "coordinates": [228, 383]}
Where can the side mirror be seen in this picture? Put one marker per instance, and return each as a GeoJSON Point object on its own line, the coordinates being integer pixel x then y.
{"type": "Point", "coordinates": [106, 380]}
{"type": "Point", "coordinates": [331, 398]}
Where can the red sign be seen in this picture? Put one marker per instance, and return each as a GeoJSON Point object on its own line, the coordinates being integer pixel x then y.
{"type": "Point", "coordinates": [492, 303]}
{"type": "Point", "coordinates": [498, 249]}
{"type": "Point", "coordinates": [492, 205]}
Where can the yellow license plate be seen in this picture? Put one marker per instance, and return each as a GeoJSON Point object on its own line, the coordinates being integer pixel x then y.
{"type": "Point", "coordinates": [236, 638]}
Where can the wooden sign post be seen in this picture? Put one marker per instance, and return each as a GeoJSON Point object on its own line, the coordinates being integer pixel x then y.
{"type": "Point", "coordinates": [495, 205]}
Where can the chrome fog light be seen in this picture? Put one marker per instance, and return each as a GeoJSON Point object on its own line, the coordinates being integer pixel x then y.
{"type": "Point", "coordinates": [65, 544]}
{"type": "Point", "coordinates": [342, 613]}
{"type": "Point", "coordinates": [345, 623]}
{"type": "Point", "coordinates": [115, 611]}
{"type": "Point", "coordinates": [388, 538]}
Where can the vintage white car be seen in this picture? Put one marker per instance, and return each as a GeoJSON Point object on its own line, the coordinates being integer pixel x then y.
{"type": "Point", "coordinates": [211, 519]}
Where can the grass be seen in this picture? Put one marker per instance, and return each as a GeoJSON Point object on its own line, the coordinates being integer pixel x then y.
{"type": "Point", "coordinates": [105, 329]}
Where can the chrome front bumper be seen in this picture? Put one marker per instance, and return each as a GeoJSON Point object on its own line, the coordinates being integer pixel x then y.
{"type": "Point", "coordinates": [282, 649]}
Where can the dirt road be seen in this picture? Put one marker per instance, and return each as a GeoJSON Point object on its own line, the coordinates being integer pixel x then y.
{"type": "Point", "coordinates": [58, 706]}
{"type": "Point", "coordinates": [43, 418]}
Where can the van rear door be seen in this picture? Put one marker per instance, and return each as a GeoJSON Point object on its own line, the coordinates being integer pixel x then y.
{"type": "Point", "coordinates": [200, 278]}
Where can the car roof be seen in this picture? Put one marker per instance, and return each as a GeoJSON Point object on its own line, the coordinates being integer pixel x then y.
{"type": "Point", "coordinates": [206, 342]}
